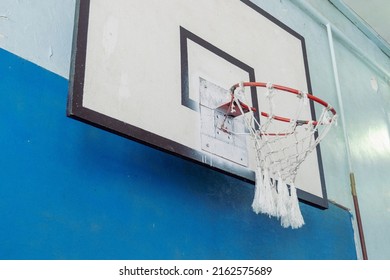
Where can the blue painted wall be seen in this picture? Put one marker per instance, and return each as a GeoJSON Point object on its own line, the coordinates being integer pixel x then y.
{"type": "Point", "coordinates": [72, 191]}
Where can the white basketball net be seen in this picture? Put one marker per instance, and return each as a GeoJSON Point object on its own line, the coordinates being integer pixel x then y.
{"type": "Point", "coordinates": [280, 149]}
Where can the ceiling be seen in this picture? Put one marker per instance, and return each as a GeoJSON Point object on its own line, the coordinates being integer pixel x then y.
{"type": "Point", "coordinates": [372, 17]}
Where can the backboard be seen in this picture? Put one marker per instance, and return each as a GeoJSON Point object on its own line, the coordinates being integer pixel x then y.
{"type": "Point", "coordinates": [155, 72]}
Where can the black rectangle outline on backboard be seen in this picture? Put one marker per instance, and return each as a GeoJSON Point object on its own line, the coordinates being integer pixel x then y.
{"type": "Point", "coordinates": [76, 110]}
{"type": "Point", "coordinates": [186, 35]}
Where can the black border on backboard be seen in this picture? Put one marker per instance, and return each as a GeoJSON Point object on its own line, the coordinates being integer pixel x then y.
{"type": "Point", "coordinates": [76, 110]}
{"type": "Point", "coordinates": [186, 35]}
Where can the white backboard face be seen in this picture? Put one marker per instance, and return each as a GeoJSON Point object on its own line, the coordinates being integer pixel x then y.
{"type": "Point", "coordinates": [152, 71]}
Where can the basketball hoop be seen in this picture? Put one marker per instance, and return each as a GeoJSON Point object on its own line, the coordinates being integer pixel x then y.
{"type": "Point", "coordinates": [281, 145]}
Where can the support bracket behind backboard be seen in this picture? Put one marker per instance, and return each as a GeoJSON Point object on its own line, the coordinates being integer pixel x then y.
{"type": "Point", "coordinates": [230, 143]}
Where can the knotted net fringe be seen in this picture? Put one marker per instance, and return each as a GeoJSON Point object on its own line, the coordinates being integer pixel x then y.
{"type": "Point", "coordinates": [264, 200]}
{"type": "Point", "coordinates": [276, 199]}
{"type": "Point", "coordinates": [294, 218]}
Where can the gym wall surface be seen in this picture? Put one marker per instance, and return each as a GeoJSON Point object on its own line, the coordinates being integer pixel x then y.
{"type": "Point", "coordinates": [72, 191]}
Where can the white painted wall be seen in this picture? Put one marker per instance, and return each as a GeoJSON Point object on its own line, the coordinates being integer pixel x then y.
{"type": "Point", "coordinates": [376, 14]}
{"type": "Point", "coordinates": [39, 31]}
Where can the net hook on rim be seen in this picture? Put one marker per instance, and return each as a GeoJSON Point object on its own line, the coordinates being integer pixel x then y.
{"type": "Point", "coordinates": [285, 89]}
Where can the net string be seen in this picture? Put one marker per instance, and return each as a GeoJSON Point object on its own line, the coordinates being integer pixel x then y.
{"type": "Point", "coordinates": [279, 155]}
{"type": "Point", "coordinates": [270, 140]}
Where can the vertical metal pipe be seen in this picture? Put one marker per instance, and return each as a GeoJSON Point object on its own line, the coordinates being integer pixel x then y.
{"type": "Point", "coordinates": [358, 217]}
{"type": "Point", "coordinates": [351, 175]}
